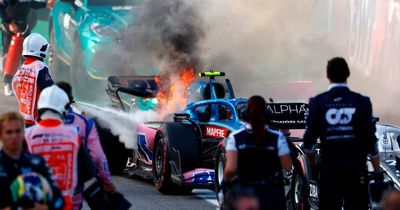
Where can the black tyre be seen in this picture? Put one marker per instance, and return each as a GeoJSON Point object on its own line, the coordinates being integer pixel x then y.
{"type": "Point", "coordinates": [58, 71]}
{"type": "Point", "coordinates": [173, 139]}
{"type": "Point", "coordinates": [299, 191]}
{"type": "Point", "coordinates": [115, 151]}
{"type": "Point", "coordinates": [219, 174]}
{"type": "Point", "coordinates": [302, 174]}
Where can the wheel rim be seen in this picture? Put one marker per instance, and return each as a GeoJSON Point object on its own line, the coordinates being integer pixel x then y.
{"type": "Point", "coordinates": [220, 170]}
{"type": "Point", "coordinates": [159, 160]}
{"type": "Point", "coordinates": [298, 194]}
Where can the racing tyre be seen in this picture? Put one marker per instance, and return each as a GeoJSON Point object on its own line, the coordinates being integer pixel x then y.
{"type": "Point", "coordinates": [299, 191]}
{"type": "Point", "coordinates": [115, 151]}
{"type": "Point", "coordinates": [175, 151]}
{"type": "Point", "coordinates": [219, 175]}
{"type": "Point", "coordinates": [302, 174]}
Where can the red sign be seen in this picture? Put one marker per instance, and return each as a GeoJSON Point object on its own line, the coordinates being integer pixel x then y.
{"type": "Point", "coordinates": [216, 132]}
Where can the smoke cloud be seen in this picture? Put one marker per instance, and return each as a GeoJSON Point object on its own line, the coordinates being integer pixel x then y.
{"type": "Point", "coordinates": [120, 123]}
{"type": "Point", "coordinates": [255, 42]}
{"type": "Point", "coordinates": [263, 41]}
{"type": "Point", "coordinates": [166, 35]}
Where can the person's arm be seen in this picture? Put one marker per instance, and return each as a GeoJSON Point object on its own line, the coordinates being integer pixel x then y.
{"type": "Point", "coordinates": [58, 200]}
{"type": "Point", "coordinates": [368, 129]}
{"type": "Point", "coordinates": [312, 130]}
{"type": "Point", "coordinates": [98, 156]}
{"type": "Point", "coordinates": [375, 160]}
{"type": "Point", "coordinates": [231, 164]}
{"type": "Point", "coordinates": [44, 79]}
{"type": "Point", "coordinates": [5, 192]}
{"type": "Point", "coordinates": [284, 153]}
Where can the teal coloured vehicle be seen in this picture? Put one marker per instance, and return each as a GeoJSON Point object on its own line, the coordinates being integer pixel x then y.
{"type": "Point", "coordinates": [83, 34]}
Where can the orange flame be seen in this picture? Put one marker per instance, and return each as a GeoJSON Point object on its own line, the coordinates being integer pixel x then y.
{"type": "Point", "coordinates": [172, 97]}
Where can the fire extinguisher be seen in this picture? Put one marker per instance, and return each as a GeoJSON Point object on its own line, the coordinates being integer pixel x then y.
{"type": "Point", "coordinates": [14, 54]}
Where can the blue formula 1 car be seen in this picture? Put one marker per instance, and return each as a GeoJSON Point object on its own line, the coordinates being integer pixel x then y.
{"type": "Point", "coordinates": [183, 154]}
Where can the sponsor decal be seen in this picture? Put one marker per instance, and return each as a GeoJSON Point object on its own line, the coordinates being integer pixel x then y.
{"type": "Point", "coordinates": [288, 115]}
{"type": "Point", "coordinates": [25, 87]}
{"type": "Point", "coordinates": [313, 190]}
{"type": "Point", "coordinates": [203, 177]}
{"type": "Point", "coordinates": [143, 146]}
{"type": "Point", "coordinates": [341, 116]}
{"type": "Point", "coordinates": [295, 108]}
{"type": "Point", "coordinates": [216, 132]}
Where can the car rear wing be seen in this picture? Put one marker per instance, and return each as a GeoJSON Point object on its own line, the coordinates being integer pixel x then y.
{"type": "Point", "coordinates": [140, 86]}
{"type": "Point", "coordinates": [288, 115]}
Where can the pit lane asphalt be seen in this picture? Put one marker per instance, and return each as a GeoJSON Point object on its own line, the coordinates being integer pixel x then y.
{"type": "Point", "coordinates": [139, 192]}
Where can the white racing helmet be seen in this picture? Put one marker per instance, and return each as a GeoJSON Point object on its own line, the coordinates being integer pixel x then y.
{"type": "Point", "coordinates": [35, 45]}
{"type": "Point", "coordinates": [53, 98]}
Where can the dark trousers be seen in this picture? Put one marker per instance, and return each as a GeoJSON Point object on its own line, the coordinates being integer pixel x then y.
{"type": "Point", "coordinates": [271, 197]}
{"type": "Point", "coordinates": [343, 186]}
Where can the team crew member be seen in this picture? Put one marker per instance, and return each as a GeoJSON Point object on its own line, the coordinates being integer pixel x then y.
{"type": "Point", "coordinates": [343, 122]}
{"type": "Point", "coordinates": [257, 156]}
{"type": "Point", "coordinates": [32, 77]}
{"type": "Point", "coordinates": [15, 161]}
{"type": "Point", "coordinates": [56, 142]}
{"type": "Point", "coordinates": [89, 137]}
{"type": "Point", "coordinates": [14, 15]}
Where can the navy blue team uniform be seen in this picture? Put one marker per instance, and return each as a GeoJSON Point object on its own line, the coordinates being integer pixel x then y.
{"type": "Point", "coordinates": [259, 168]}
{"type": "Point", "coordinates": [343, 121]}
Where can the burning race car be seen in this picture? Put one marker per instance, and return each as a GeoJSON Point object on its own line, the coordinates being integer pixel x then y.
{"type": "Point", "coordinates": [178, 155]}
{"type": "Point", "coordinates": [187, 152]}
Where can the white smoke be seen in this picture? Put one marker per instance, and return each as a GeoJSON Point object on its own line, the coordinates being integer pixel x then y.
{"type": "Point", "coordinates": [121, 124]}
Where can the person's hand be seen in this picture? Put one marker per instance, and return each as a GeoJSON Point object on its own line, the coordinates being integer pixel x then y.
{"type": "Point", "coordinates": [377, 176]}
{"type": "Point", "coordinates": [51, 3]}
{"type": "Point", "coordinates": [13, 27]}
{"type": "Point", "coordinates": [109, 187]}
{"type": "Point", "coordinates": [39, 207]}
